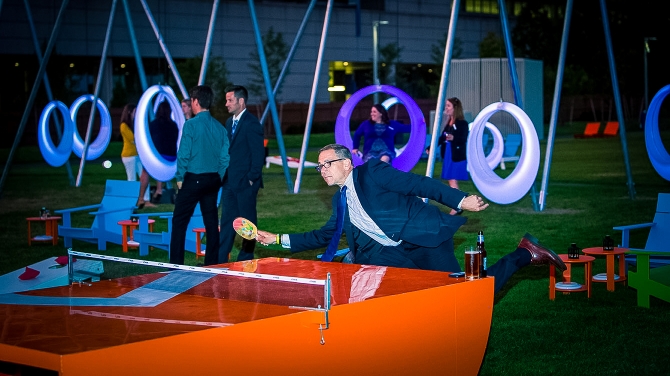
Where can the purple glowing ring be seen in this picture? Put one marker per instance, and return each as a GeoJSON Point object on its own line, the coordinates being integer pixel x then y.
{"type": "Point", "coordinates": [658, 155]}
{"type": "Point", "coordinates": [157, 166]}
{"type": "Point", "coordinates": [417, 137]}
{"type": "Point", "coordinates": [98, 146]}
{"type": "Point", "coordinates": [515, 186]}
{"type": "Point", "coordinates": [55, 156]}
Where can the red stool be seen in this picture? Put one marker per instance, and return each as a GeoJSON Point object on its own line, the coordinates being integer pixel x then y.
{"type": "Point", "coordinates": [127, 227]}
{"type": "Point", "coordinates": [567, 286]}
{"type": "Point", "coordinates": [51, 230]}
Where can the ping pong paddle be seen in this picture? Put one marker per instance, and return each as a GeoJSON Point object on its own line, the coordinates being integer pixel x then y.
{"type": "Point", "coordinates": [245, 228]}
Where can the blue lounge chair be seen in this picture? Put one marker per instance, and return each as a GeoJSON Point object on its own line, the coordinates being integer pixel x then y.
{"type": "Point", "coordinates": [162, 239]}
{"type": "Point", "coordinates": [652, 275]}
{"type": "Point", "coordinates": [512, 144]}
{"type": "Point", "coordinates": [118, 203]}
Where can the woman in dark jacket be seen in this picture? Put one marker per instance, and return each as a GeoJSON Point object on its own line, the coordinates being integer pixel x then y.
{"type": "Point", "coordinates": [452, 143]}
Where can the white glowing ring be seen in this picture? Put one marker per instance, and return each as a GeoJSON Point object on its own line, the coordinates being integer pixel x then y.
{"type": "Point", "coordinates": [658, 155]}
{"type": "Point", "coordinates": [55, 156]}
{"type": "Point", "coordinates": [98, 146]}
{"type": "Point", "coordinates": [515, 186]}
{"type": "Point", "coordinates": [157, 166]}
{"type": "Point", "coordinates": [496, 153]}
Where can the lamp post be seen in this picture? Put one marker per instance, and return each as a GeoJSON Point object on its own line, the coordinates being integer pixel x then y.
{"type": "Point", "coordinates": [375, 53]}
{"type": "Point", "coordinates": [646, 83]}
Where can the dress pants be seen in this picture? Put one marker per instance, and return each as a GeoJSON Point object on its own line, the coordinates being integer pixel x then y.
{"type": "Point", "coordinates": [236, 203]}
{"type": "Point", "coordinates": [440, 258]}
{"type": "Point", "coordinates": [203, 189]}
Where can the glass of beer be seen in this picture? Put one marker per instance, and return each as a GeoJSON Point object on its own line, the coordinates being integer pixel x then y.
{"type": "Point", "coordinates": [472, 261]}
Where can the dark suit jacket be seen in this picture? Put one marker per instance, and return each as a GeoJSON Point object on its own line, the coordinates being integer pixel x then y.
{"type": "Point", "coordinates": [460, 133]}
{"type": "Point", "coordinates": [391, 199]}
{"type": "Point", "coordinates": [247, 153]}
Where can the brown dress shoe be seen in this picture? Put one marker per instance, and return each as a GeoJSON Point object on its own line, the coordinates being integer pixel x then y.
{"type": "Point", "coordinates": [540, 255]}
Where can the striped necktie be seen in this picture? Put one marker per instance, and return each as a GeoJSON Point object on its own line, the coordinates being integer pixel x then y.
{"type": "Point", "coordinates": [235, 126]}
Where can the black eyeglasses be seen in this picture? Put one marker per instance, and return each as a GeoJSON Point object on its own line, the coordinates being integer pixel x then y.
{"type": "Point", "coordinates": [326, 164]}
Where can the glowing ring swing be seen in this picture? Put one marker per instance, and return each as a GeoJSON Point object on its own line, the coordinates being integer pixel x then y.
{"type": "Point", "coordinates": [388, 103]}
{"type": "Point", "coordinates": [157, 166]}
{"type": "Point", "coordinates": [658, 155]}
{"type": "Point", "coordinates": [99, 145]}
{"type": "Point", "coordinates": [55, 156]}
{"type": "Point", "coordinates": [496, 153]}
{"type": "Point", "coordinates": [515, 186]}
{"type": "Point", "coordinates": [417, 137]}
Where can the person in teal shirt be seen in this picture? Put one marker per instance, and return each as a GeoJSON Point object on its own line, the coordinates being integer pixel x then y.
{"type": "Point", "coordinates": [202, 160]}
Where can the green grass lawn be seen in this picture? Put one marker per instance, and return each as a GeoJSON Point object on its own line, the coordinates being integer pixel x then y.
{"type": "Point", "coordinates": [530, 335]}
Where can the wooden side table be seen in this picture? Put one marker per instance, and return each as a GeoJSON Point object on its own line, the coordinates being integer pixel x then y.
{"type": "Point", "coordinates": [565, 287]}
{"type": "Point", "coordinates": [198, 242]}
{"type": "Point", "coordinates": [610, 276]}
{"type": "Point", "coordinates": [127, 227]}
{"type": "Point", "coordinates": [51, 230]}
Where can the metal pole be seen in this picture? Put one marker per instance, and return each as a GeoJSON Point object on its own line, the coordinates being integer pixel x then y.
{"type": "Point", "coordinates": [136, 50]}
{"type": "Point", "coordinates": [290, 55]}
{"type": "Point", "coordinates": [208, 44]}
{"type": "Point", "coordinates": [617, 99]}
{"type": "Point", "coordinates": [168, 57]}
{"type": "Point", "coordinates": [441, 98]}
{"type": "Point", "coordinates": [47, 86]}
{"type": "Point", "coordinates": [646, 82]}
{"type": "Point", "coordinates": [268, 92]}
{"type": "Point", "coordinates": [98, 84]}
{"type": "Point", "coordinates": [554, 108]}
{"type": "Point", "coordinates": [33, 93]}
{"type": "Point", "coordinates": [375, 58]}
{"type": "Point", "coordinates": [510, 55]}
{"type": "Point", "coordinates": [312, 100]}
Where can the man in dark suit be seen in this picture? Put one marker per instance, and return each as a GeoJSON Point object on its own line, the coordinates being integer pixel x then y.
{"type": "Point", "coordinates": [387, 224]}
{"type": "Point", "coordinates": [243, 177]}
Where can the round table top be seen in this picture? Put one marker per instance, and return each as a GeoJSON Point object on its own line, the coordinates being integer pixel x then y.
{"type": "Point", "coordinates": [581, 259]}
{"type": "Point", "coordinates": [597, 251]}
{"type": "Point", "coordinates": [129, 222]}
{"type": "Point", "coordinates": [202, 229]}
{"type": "Point", "coordinates": [50, 218]}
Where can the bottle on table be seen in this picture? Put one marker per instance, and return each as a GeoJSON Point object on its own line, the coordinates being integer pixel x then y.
{"type": "Point", "coordinates": [482, 252]}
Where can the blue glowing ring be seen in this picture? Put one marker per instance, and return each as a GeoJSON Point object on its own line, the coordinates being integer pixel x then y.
{"type": "Point", "coordinates": [417, 137]}
{"type": "Point", "coordinates": [55, 156]}
{"type": "Point", "coordinates": [157, 166]}
{"type": "Point", "coordinates": [515, 186]}
{"type": "Point", "coordinates": [658, 155]}
{"type": "Point", "coordinates": [496, 153]}
{"type": "Point", "coordinates": [98, 146]}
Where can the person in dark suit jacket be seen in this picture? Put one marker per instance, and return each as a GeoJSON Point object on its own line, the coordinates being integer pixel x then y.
{"type": "Point", "coordinates": [244, 176]}
{"type": "Point", "coordinates": [387, 224]}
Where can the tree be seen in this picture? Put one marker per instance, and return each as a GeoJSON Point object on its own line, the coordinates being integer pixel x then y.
{"type": "Point", "coordinates": [389, 57]}
{"type": "Point", "coordinates": [276, 51]}
{"type": "Point", "coordinates": [492, 45]}
{"type": "Point", "coordinates": [437, 51]}
{"type": "Point", "coordinates": [217, 79]}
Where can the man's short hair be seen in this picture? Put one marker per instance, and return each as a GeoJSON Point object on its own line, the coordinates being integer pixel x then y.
{"type": "Point", "coordinates": [239, 92]}
{"type": "Point", "coordinates": [204, 95]}
{"type": "Point", "coordinates": [341, 151]}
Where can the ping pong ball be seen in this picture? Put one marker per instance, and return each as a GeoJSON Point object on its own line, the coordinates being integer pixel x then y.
{"type": "Point", "coordinates": [107, 164]}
